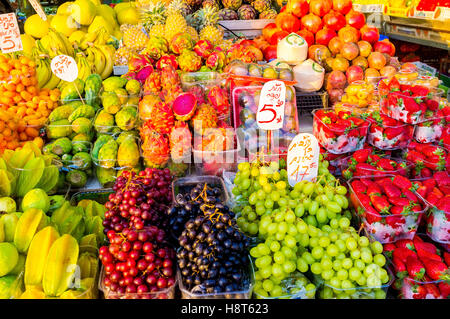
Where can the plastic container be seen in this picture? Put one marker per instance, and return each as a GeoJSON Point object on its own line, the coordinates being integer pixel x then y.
{"type": "Point", "coordinates": [391, 137]}
{"type": "Point", "coordinates": [410, 289]}
{"type": "Point", "coordinates": [208, 162]}
{"type": "Point", "coordinates": [359, 93]}
{"type": "Point", "coordinates": [339, 141]}
{"type": "Point", "coordinates": [98, 195]}
{"type": "Point", "coordinates": [387, 228]}
{"type": "Point", "coordinates": [403, 170]}
{"type": "Point", "coordinates": [430, 130]}
{"type": "Point", "coordinates": [406, 108]}
{"type": "Point", "coordinates": [431, 82]}
{"type": "Point", "coordinates": [167, 293]}
{"type": "Point", "coordinates": [294, 287]}
{"type": "Point", "coordinates": [245, 293]}
{"type": "Point", "coordinates": [438, 225]}
{"type": "Point", "coordinates": [184, 185]}
{"type": "Point", "coordinates": [405, 76]}
{"type": "Point", "coordinates": [441, 165]}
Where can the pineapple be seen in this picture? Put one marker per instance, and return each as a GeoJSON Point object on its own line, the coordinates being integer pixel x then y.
{"type": "Point", "coordinates": [123, 55]}
{"type": "Point", "coordinates": [157, 30]}
{"type": "Point", "coordinates": [153, 15]}
{"type": "Point", "coordinates": [135, 38]}
{"type": "Point", "coordinates": [180, 6]}
{"type": "Point", "coordinates": [193, 33]}
{"type": "Point", "coordinates": [209, 29]}
{"type": "Point", "coordinates": [175, 22]}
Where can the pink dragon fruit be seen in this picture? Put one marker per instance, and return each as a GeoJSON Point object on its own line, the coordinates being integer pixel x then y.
{"type": "Point", "coordinates": [204, 48]}
{"type": "Point", "coordinates": [219, 99]}
{"type": "Point", "coordinates": [167, 60]}
{"type": "Point", "coordinates": [216, 61]}
{"type": "Point", "coordinates": [199, 93]}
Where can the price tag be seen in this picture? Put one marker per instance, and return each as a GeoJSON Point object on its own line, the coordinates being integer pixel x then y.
{"type": "Point", "coordinates": [303, 159]}
{"type": "Point", "coordinates": [64, 67]}
{"type": "Point", "coordinates": [270, 115]}
{"type": "Point", "coordinates": [9, 33]}
{"type": "Point", "coordinates": [37, 7]}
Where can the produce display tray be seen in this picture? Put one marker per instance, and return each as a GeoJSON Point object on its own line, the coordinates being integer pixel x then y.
{"type": "Point", "coordinates": [311, 100]}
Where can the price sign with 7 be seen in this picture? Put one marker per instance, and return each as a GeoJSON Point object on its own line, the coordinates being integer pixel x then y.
{"type": "Point", "coordinates": [9, 33]}
{"type": "Point", "coordinates": [303, 159]}
{"type": "Point", "coordinates": [64, 67]}
{"type": "Point", "coordinates": [270, 115]}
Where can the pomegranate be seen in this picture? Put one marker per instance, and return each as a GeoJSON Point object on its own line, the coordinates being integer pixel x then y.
{"type": "Point", "coordinates": [269, 30]}
{"type": "Point", "coordinates": [342, 6]}
{"type": "Point", "coordinates": [336, 79]}
{"type": "Point", "coordinates": [354, 73]}
{"type": "Point", "coordinates": [320, 7]}
{"type": "Point", "coordinates": [376, 60]}
{"type": "Point", "coordinates": [324, 36]}
{"type": "Point", "coordinates": [350, 50]}
{"type": "Point", "coordinates": [334, 20]}
{"type": "Point", "coordinates": [364, 48]}
{"type": "Point", "coordinates": [370, 34]}
{"type": "Point", "coordinates": [307, 35]}
{"type": "Point", "coordinates": [299, 8]}
{"type": "Point", "coordinates": [311, 22]}
{"type": "Point", "coordinates": [355, 19]}
{"type": "Point", "coordinates": [349, 34]}
{"type": "Point", "coordinates": [335, 45]}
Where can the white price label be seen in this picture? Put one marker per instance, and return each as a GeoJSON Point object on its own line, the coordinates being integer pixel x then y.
{"type": "Point", "coordinates": [37, 7]}
{"type": "Point", "coordinates": [270, 115]}
{"type": "Point", "coordinates": [9, 33]}
{"type": "Point", "coordinates": [64, 67]}
{"type": "Point", "coordinates": [303, 159]}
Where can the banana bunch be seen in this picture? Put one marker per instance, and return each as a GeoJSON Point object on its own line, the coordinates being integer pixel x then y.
{"type": "Point", "coordinates": [96, 59]}
{"type": "Point", "coordinates": [84, 68]}
{"type": "Point", "coordinates": [109, 53]}
{"type": "Point", "coordinates": [57, 43]}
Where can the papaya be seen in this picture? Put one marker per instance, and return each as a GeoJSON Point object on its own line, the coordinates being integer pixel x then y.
{"type": "Point", "coordinates": [70, 93]}
{"type": "Point", "coordinates": [83, 111]}
{"type": "Point", "coordinates": [82, 125]}
{"type": "Point", "coordinates": [92, 88]}
{"type": "Point", "coordinates": [57, 129]}
{"type": "Point", "coordinates": [114, 82]}
{"type": "Point", "coordinates": [62, 146]}
{"type": "Point", "coordinates": [61, 112]}
{"type": "Point", "coordinates": [101, 140]}
{"type": "Point", "coordinates": [61, 265]}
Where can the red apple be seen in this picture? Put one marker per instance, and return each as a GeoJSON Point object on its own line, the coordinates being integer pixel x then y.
{"type": "Point", "coordinates": [355, 19]}
{"type": "Point", "coordinates": [364, 48]}
{"type": "Point", "coordinates": [350, 50]}
{"type": "Point", "coordinates": [320, 7]}
{"type": "Point", "coordinates": [342, 6]}
{"type": "Point", "coordinates": [287, 22]}
{"type": "Point", "coordinates": [324, 36]}
{"type": "Point", "coordinates": [370, 34]}
{"type": "Point", "coordinates": [349, 34]}
{"type": "Point", "coordinates": [376, 60]}
{"type": "Point", "coordinates": [336, 79]}
{"type": "Point", "coordinates": [334, 20]}
{"type": "Point", "coordinates": [311, 22]}
{"type": "Point", "coordinates": [277, 36]}
{"type": "Point", "coordinates": [270, 52]}
{"type": "Point", "coordinates": [268, 30]}
{"type": "Point", "coordinates": [384, 47]}
{"type": "Point", "coordinates": [307, 35]}
{"type": "Point", "coordinates": [335, 45]}
{"type": "Point", "coordinates": [299, 8]}
{"type": "Point", "coordinates": [354, 73]}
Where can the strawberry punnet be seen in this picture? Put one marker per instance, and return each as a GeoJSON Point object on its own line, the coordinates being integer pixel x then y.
{"type": "Point", "coordinates": [427, 156]}
{"type": "Point", "coordinates": [387, 133]}
{"type": "Point", "coordinates": [339, 132]}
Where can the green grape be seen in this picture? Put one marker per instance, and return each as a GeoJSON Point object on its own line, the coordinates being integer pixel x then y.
{"type": "Point", "coordinates": [292, 230]}
{"type": "Point", "coordinates": [308, 188]}
{"type": "Point", "coordinates": [275, 196]}
{"type": "Point", "coordinates": [272, 228]}
{"type": "Point", "coordinates": [313, 231]}
{"type": "Point", "coordinates": [281, 185]}
{"type": "Point", "coordinates": [372, 270]}
{"type": "Point", "coordinates": [332, 250]}
{"type": "Point", "coordinates": [333, 235]}
{"type": "Point", "coordinates": [304, 240]}
{"type": "Point", "coordinates": [344, 223]}
{"type": "Point", "coordinates": [355, 254]}
{"type": "Point", "coordinates": [267, 188]}
{"type": "Point", "coordinates": [279, 236]}
{"type": "Point", "coordinates": [335, 282]}
{"type": "Point", "coordinates": [245, 184]}
{"type": "Point", "coordinates": [277, 270]}
{"type": "Point", "coordinates": [265, 261]}
{"type": "Point", "coordinates": [327, 274]}
{"type": "Point", "coordinates": [235, 191]}
{"type": "Point", "coordinates": [245, 226]}
{"type": "Point", "coordinates": [294, 194]}
{"type": "Point", "coordinates": [308, 257]}
{"type": "Point", "coordinates": [326, 293]}
{"type": "Point", "coordinates": [290, 241]}
{"type": "Point", "coordinates": [277, 291]}
{"type": "Point", "coordinates": [288, 252]}
{"type": "Point", "coordinates": [268, 203]}
{"type": "Point", "coordinates": [258, 276]}
{"type": "Point", "coordinates": [329, 193]}
{"type": "Point", "coordinates": [351, 244]}
{"type": "Point", "coordinates": [377, 247]}
{"type": "Point", "coordinates": [264, 170]}
{"type": "Point", "coordinates": [252, 199]}
{"type": "Point", "coordinates": [292, 203]}
{"type": "Point", "coordinates": [379, 259]}
{"type": "Point", "coordinates": [283, 202]}
{"type": "Point", "coordinates": [263, 249]}
{"type": "Point", "coordinates": [348, 214]}
{"type": "Point", "coordinates": [342, 274]}
{"type": "Point", "coordinates": [344, 236]}
{"type": "Point", "coordinates": [334, 223]}
{"type": "Point", "coordinates": [289, 217]}
{"type": "Point", "coordinates": [326, 263]}
{"type": "Point", "coordinates": [275, 246]}
{"type": "Point", "coordinates": [302, 227]}
{"type": "Point", "coordinates": [366, 257]}
{"type": "Point", "coordinates": [276, 176]}
{"type": "Point", "coordinates": [318, 189]}
{"type": "Point", "coordinates": [254, 252]}
{"type": "Point", "coordinates": [339, 201]}
{"type": "Point", "coordinates": [237, 178]}
{"type": "Point", "coordinates": [317, 252]}
{"type": "Point", "coordinates": [340, 244]}
{"type": "Point", "coordinates": [324, 241]}
{"type": "Point", "coordinates": [314, 206]}
{"type": "Point", "coordinates": [316, 269]}
{"type": "Point", "coordinates": [279, 217]}
{"type": "Point", "coordinates": [359, 264]}
{"type": "Point", "coordinates": [252, 229]}
{"type": "Point", "coordinates": [260, 210]}
{"type": "Point", "coordinates": [311, 220]}
{"type": "Point", "coordinates": [380, 294]}
{"type": "Point", "coordinates": [276, 280]}
{"type": "Point", "coordinates": [307, 203]}
{"type": "Point", "coordinates": [261, 194]}
{"type": "Point", "coordinates": [323, 170]}
{"type": "Point", "coordinates": [361, 281]}
{"type": "Point", "coordinates": [341, 190]}
{"type": "Point", "coordinates": [283, 173]}
{"type": "Point", "coordinates": [251, 216]}
{"type": "Point", "coordinates": [266, 272]}
{"type": "Point", "coordinates": [337, 264]}
{"type": "Point", "coordinates": [346, 284]}
{"type": "Point", "coordinates": [363, 241]}
{"type": "Point", "coordinates": [354, 273]}
{"type": "Point", "coordinates": [254, 172]}
{"type": "Point", "coordinates": [283, 193]}
{"type": "Point", "coordinates": [347, 263]}
{"type": "Point", "coordinates": [330, 214]}
{"type": "Point", "coordinates": [256, 185]}
{"type": "Point", "coordinates": [302, 265]}
{"type": "Point", "coordinates": [282, 227]}
{"type": "Point", "coordinates": [373, 281]}
{"type": "Point", "coordinates": [267, 285]}
{"type": "Point", "coordinates": [279, 257]}
{"type": "Point", "coordinates": [289, 266]}
{"type": "Point", "coordinates": [321, 216]}
{"type": "Point", "coordinates": [340, 256]}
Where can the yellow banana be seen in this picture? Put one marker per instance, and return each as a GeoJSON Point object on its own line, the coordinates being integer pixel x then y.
{"type": "Point", "coordinates": [109, 52]}
{"type": "Point", "coordinates": [102, 37]}
{"type": "Point", "coordinates": [53, 83]}
{"type": "Point", "coordinates": [43, 71]}
{"type": "Point", "coordinates": [99, 59]}
{"type": "Point", "coordinates": [57, 43]}
{"type": "Point", "coordinates": [84, 69]}
{"type": "Point", "coordinates": [67, 44]}
{"type": "Point", "coordinates": [88, 40]}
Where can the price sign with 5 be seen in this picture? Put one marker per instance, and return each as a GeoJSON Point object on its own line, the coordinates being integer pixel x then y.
{"type": "Point", "coordinates": [9, 33]}
{"type": "Point", "coordinates": [303, 159]}
{"type": "Point", "coordinates": [64, 67]}
{"type": "Point", "coordinates": [270, 113]}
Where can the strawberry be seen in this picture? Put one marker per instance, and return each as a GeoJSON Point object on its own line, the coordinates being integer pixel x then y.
{"type": "Point", "coordinates": [363, 169]}
{"type": "Point", "coordinates": [388, 249]}
{"type": "Point", "coordinates": [447, 258]}
{"type": "Point", "coordinates": [392, 132]}
{"type": "Point", "coordinates": [402, 253]}
{"type": "Point", "coordinates": [361, 155]}
{"type": "Point", "coordinates": [422, 191]}
{"type": "Point", "coordinates": [385, 164]}
{"type": "Point", "coordinates": [399, 201]}
{"type": "Point", "coordinates": [358, 186]}
{"type": "Point", "coordinates": [372, 216]}
{"type": "Point", "coordinates": [373, 189]}
{"type": "Point", "coordinates": [426, 254]}
{"type": "Point", "coordinates": [399, 267]}
{"type": "Point", "coordinates": [416, 269]}
{"type": "Point", "coordinates": [380, 203]}
{"type": "Point", "coordinates": [432, 198]}
{"type": "Point", "coordinates": [411, 105]}
{"type": "Point", "coordinates": [444, 289]}
{"type": "Point", "coordinates": [431, 150]}
{"type": "Point", "coordinates": [442, 178]}
{"type": "Point", "coordinates": [402, 182]}
{"type": "Point", "coordinates": [421, 245]}
{"type": "Point", "coordinates": [419, 90]}
{"type": "Point", "coordinates": [395, 221]}
{"type": "Point", "coordinates": [396, 210]}
{"type": "Point", "coordinates": [430, 183]}
{"type": "Point", "coordinates": [405, 243]}
{"type": "Point", "coordinates": [410, 195]}
{"type": "Point", "coordinates": [364, 199]}
{"type": "Point", "coordinates": [392, 190]}
{"type": "Point", "coordinates": [436, 270]}
{"type": "Point", "coordinates": [437, 192]}
{"type": "Point", "coordinates": [433, 290]}
{"type": "Point", "coordinates": [419, 291]}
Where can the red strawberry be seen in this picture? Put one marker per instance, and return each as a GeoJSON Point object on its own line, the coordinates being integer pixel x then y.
{"type": "Point", "coordinates": [364, 199]}
{"type": "Point", "coordinates": [442, 178]}
{"type": "Point", "coordinates": [422, 191]}
{"type": "Point", "coordinates": [373, 189]}
{"type": "Point", "coordinates": [421, 245]}
{"type": "Point", "coordinates": [395, 220]}
{"type": "Point", "coordinates": [402, 182]}
{"type": "Point", "coordinates": [399, 201]}
{"type": "Point", "coordinates": [364, 169]}
{"type": "Point", "coordinates": [402, 253]}
{"type": "Point", "coordinates": [426, 254]}
{"type": "Point", "coordinates": [414, 156]}
{"type": "Point", "coordinates": [385, 164]}
{"type": "Point", "coordinates": [419, 90]}
{"type": "Point", "coordinates": [405, 243]}
{"type": "Point", "coordinates": [444, 288]}
{"type": "Point", "coordinates": [411, 105]}
{"type": "Point", "coordinates": [372, 216]}
{"type": "Point", "coordinates": [432, 198]}
{"type": "Point", "coordinates": [433, 290]}
{"type": "Point", "coordinates": [419, 291]}
{"type": "Point", "coordinates": [358, 186]}
{"type": "Point", "coordinates": [396, 210]}
{"type": "Point", "coordinates": [436, 270]}
{"type": "Point", "coordinates": [366, 181]}
{"type": "Point", "coordinates": [388, 249]}
{"type": "Point", "coordinates": [447, 258]}
{"type": "Point", "coordinates": [399, 267]}
{"type": "Point", "coordinates": [416, 269]}
{"type": "Point", "coordinates": [410, 195]}
{"type": "Point", "coordinates": [392, 132]}
{"type": "Point", "coordinates": [380, 203]}
{"type": "Point", "coordinates": [336, 128]}
{"type": "Point", "coordinates": [361, 155]}
{"type": "Point", "coordinates": [430, 150]}
{"type": "Point", "coordinates": [392, 190]}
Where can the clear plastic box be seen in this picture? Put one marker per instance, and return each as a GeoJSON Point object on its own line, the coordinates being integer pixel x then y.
{"type": "Point", "coordinates": [295, 284]}
{"type": "Point", "coordinates": [245, 293]}
{"type": "Point", "coordinates": [401, 135]}
{"type": "Point", "coordinates": [184, 185]}
{"type": "Point", "coordinates": [341, 141]}
{"type": "Point", "coordinates": [167, 293]}
{"type": "Point", "coordinates": [438, 225]}
{"type": "Point", "coordinates": [378, 227]}
{"type": "Point", "coordinates": [404, 171]}
{"type": "Point", "coordinates": [442, 165]}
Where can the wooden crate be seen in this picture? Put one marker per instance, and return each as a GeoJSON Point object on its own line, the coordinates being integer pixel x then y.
{"type": "Point", "coordinates": [244, 28]}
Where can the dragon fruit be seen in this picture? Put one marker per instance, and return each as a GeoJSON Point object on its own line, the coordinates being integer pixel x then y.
{"type": "Point", "coordinates": [219, 99]}
{"type": "Point", "coordinates": [161, 118]}
{"type": "Point", "coordinates": [199, 93]}
{"type": "Point", "coordinates": [205, 117]}
{"type": "Point", "coordinates": [156, 47]}
{"type": "Point", "coordinates": [170, 83]}
{"type": "Point", "coordinates": [167, 60]}
{"type": "Point", "coordinates": [184, 106]}
{"type": "Point", "coordinates": [147, 105]}
{"type": "Point", "coordinates": [155, 147]}
{"type": "Point", "coordinates": [180, 142]}
{"type": "Point", "coordinates": [216, 60]}
{"type": "Point", "coordinates": [181, 41]}
{"type": "Point", "coordinates": [152, 84]}
{"type": "Point", "coordinates": [204, 48]}
{"type": "Point", "coordinates": [189, 61]}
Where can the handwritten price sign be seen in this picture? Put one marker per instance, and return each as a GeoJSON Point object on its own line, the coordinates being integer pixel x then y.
{"type": "Point", "coordinates": [270, 113]}
{"type": "Point", "coordinates": [64, 67]}
{"type": "Point", "coordinates": [37, 7]}
{"type": "Point", "coordinates": [303, 159]}
{"type": "Point", "coordinates": [9, 33]}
